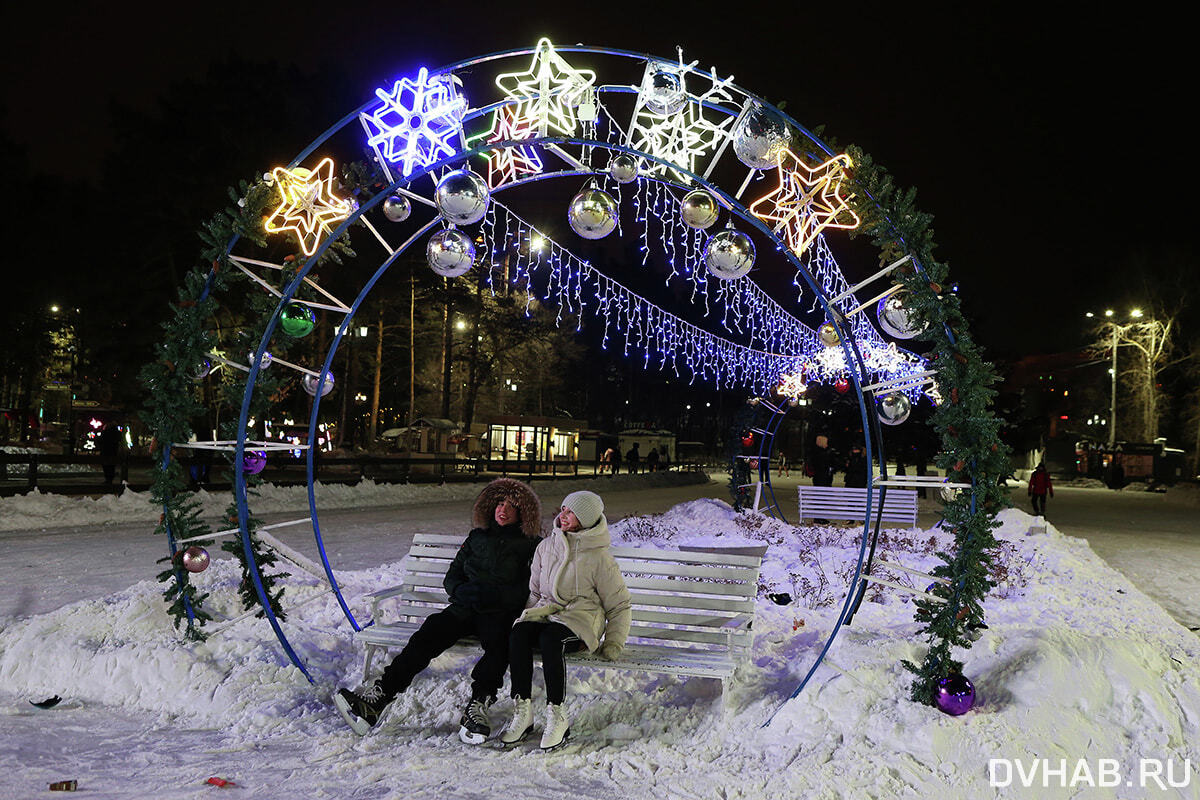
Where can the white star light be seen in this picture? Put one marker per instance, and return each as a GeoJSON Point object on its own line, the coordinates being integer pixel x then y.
{"type": "Point", "coordinates": [417, 121]}
{"type": "Point", "coordinates": [549, 91]}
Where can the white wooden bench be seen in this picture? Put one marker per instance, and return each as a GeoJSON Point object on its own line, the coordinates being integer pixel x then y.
{"type": "Point", "coordinates": [692, 611]}
{"type": "Point", "coordinates": [842, 502]}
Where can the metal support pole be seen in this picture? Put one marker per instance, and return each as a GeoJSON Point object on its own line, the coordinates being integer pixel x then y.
{"type": "Point", "coordinates": [1112, 415]}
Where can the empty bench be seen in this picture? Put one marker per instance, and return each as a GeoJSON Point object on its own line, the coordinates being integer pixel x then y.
{"type": "Point", "coordinates": [692, 611]}
{"type": "Point", "coordinates": [848, 503]}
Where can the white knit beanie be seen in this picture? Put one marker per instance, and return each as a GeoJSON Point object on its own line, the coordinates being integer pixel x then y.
{"type": "Point", "coordinates": [587, 506]}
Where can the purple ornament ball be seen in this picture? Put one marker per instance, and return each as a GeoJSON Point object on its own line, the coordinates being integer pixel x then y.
{"type": "Point", "coordinates": [955, 695]}
{"type": "Point", "coordinates": [254, 462]}
{"type": "Point", "coordinates": [195, 559]}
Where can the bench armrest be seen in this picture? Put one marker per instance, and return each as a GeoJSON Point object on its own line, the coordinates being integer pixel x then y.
{"type": "Point", "coordinates": [385, 594]}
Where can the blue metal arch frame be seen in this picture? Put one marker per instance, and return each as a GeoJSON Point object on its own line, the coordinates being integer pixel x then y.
{"type": "Point", "coordinates": [848, 344]}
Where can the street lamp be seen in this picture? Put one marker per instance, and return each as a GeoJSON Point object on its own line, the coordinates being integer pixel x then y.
{"type": "Point", "coordinates": [1135, 313]}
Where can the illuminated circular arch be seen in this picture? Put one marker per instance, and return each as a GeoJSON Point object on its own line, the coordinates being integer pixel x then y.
{"type": "Point", "coordinates": [324, 220]}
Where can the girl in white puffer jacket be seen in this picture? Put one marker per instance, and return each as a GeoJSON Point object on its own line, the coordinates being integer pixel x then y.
{"type": "Point", "coordinates": [577, 601]}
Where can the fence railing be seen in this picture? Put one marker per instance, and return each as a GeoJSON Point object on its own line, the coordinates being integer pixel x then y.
{"type": "Point", "coordinates": [85, 473]}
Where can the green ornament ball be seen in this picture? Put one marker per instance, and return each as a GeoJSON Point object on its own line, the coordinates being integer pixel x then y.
{"type": "Point", "coordinates": [297, 320]}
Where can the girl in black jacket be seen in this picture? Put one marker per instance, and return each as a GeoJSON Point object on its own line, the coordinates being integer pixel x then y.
{"type": "Point", "coordinates": [488, 583]}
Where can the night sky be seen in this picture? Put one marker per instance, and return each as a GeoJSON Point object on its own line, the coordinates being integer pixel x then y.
{"type": "Point", "coordinates": [1050, 148]}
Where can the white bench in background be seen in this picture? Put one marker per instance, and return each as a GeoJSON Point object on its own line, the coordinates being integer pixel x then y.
{"type": "Point", "coordinates": [692, 611]}
{"type": "Point", "coordinates": [849, 503]}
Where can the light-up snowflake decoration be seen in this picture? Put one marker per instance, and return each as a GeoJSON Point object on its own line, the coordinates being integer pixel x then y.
{"type": "Point", "coordinates": [549, 92]}
{"type": "Point", "coordinates": [309, 207]}
{"type": "Point", "coordinates": [686, 135]}
{"type": "Point", "coordinates": [807, 200]}
{"type": "Point", "coordinates": [506, 164]}
{"type": "Point", "coordinates": [417, 122]}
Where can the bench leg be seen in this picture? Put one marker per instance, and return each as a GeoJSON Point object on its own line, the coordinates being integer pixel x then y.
{"type": "Point", "coordinates": [367, 658]}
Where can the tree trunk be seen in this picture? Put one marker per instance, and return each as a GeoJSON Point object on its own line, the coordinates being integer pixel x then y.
{"type": "Point", "coordinates": [378, 377]}
{"type": "Point", "coordinates": [447, 353]}
{"type": "Point", "coordinates": [412, 348]}
{"type": "Point", "coordinates": [472, 391]}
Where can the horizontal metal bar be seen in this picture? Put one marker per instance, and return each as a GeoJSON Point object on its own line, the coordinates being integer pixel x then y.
{"type": "Point", "coordinates": [903, 588]}
{"type": "Point", "coordinates": [867, 280]}
{"type": "Point", "coordinates": [911, 571]}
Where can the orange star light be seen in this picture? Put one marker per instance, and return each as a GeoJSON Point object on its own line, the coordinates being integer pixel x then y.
{"type": "Point", "coordinates": [807, 200]}
{"type": "Point", "coordinates": [309, 209]}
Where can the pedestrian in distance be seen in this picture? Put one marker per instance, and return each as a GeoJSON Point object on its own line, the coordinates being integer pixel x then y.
{"type": "Point", "coordinates": [784, 468]}
{"type": "Point", "coordinates": [108, 443]}
{"type": "Point", "coordinates": [616, 462]}
{"type": "Point", "coordinates": [856, 468]}
{"type": "Point", "coordinates": [633, 458]}
{"type": "Point", "coordinates": [487, 583]}
{"type": "Point", "coordinates": [1039, 486]}
{"type": "Point", "coordinates": [577, 601]}
{"type": "Point", "coordinates": [652, 460]}
{"type": "Point", "coordinates": [821, 462]}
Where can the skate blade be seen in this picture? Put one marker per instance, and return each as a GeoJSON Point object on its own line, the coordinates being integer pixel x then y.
{"type": "Point", "coordinates": [566, 738]}
{"type": "Point", "coordinates": [356, 723]}
{"type": "Point", "coordinates": [466, 737]}
{"type": "Point", "coordinates": [516, 742]}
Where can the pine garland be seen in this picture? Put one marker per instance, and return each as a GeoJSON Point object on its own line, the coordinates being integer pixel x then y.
{"type": "Point", "coordinates": [173, 396]}
{"type": "Point", "coordinates": [971, 451]}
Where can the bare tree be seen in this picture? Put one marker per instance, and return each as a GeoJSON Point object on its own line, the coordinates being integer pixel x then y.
{"type": "Point", "coordinates": [1149, 340]}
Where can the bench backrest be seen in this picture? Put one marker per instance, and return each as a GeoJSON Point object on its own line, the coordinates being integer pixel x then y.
{"type": "Point", "coordinates": [695, 600]}
{"type": "Point", "coordinates": [843, 502]}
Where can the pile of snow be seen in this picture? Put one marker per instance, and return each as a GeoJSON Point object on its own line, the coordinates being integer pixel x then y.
{"type": "Point", "coordinates": [38, 509]}
{"type": "Point", "coordinates": [1076, 664]}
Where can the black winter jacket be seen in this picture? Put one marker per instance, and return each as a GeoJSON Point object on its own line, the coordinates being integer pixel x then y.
{"type": "Point", "coordinates": [490, 573]}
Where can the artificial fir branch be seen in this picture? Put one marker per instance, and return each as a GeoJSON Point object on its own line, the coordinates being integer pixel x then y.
{"type": "Point", "coordinates": [970, 448]}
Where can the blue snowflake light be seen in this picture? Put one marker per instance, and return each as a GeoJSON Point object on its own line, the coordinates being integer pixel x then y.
{"type": "Point", "coordinates": [417, 122]}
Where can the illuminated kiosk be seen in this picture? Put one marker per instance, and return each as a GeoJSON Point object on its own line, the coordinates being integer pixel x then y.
{"type": "Point", "coordinates": [678, 148]}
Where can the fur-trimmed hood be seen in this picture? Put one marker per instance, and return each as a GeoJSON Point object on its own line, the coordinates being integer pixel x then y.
{"type": "Point", "coordinates": [521, 495]}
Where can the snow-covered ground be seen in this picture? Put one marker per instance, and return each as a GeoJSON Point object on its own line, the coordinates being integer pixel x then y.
{"type": "Point", "coordinates": [1077, 665]}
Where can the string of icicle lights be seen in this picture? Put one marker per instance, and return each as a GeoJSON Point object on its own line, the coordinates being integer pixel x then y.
{"type": "Point", "coordinates": [664, 340]}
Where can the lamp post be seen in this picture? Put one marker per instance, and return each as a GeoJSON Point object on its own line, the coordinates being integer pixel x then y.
{"type": "Point", "coordinates": [1136, 314]}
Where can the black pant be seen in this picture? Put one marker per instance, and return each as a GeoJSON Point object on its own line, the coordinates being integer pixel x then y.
{"type": "Point", "coordinates": [438, 633]}
{"type": "Point", "coordinates": [110, 472]}
{"type": "Point", "coordinates": [1039, 504]}
{"type": "Point", "coordinates": [554, 640]}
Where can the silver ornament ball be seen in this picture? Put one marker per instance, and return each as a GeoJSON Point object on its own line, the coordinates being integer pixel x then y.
{"type": "Point", "coordinates": [760, 138]}
{"type": "Point", "coordinates": [828, 335]}
{"type": "Point", "coordinates": [266, 360]}
{"type": "Point", "coordinates": [729, 255]}
{"type": "Point", "coordinates": [195, 559]}
{"type": "Point", "coordinates": [593, 213]}
{"type": "Point", "coordinates": [397, 208]}
{"type": "Point", "coordinates": [663, 92]}
{"type": "Point", "coordinates": [310, 383]}
{"type": "Point", "coordinates": [894, 408]}
{"type": "Point", "coordinates": [462, 197]}
{"type": "Point", "coordinates": [895, 318]}
{"type": "Point", "coordinates": [450, 253]}
{"type": "Point", "coordinates": [623, 168]}
{"type": "Point", "coordinates": [698, 209]}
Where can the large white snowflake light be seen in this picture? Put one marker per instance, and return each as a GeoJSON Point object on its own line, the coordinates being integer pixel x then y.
{"type": "Point", "coordinates": [549, 92]}
{"type": "Point", "coordinates": [686, 135]}
{"type": "Point", "coordinates": [417, 122]}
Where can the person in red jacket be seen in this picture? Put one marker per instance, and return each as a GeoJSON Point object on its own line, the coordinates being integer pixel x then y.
{"type": "Point", "coordinates": [1039, 486]}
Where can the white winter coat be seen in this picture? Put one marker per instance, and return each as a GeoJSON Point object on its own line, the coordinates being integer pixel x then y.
{"type": "Point", "coordinates": [576, 574]}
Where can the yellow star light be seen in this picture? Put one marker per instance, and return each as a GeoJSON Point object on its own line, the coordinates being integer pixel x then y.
{"type": "Point", "coordinates": [309, 208]}
{"type": "Point", "coordinates": [549, 91]}
{"type": "Point", "coordinates": [792, 386]}
{"type": "Point", "coordinates": [505, 164]}
{"type": "Point", "coordinates": [807, 200]}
